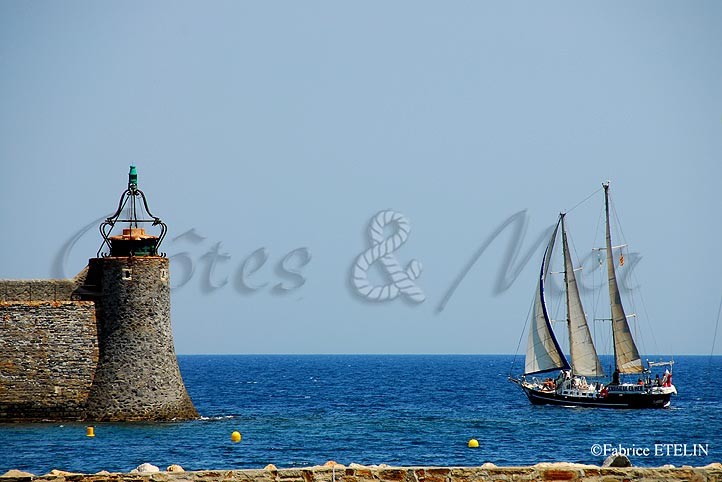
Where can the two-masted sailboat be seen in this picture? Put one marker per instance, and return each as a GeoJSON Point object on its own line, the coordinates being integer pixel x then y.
{"type": "Point", "coordinates": [574, 386]}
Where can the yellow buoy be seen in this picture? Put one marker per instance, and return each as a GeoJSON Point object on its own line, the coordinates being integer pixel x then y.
{"type": "Point", "coordinates": [473, 444]}
{"type": "Point", "coordinates": [89, 432]}
{"type": "Point", "coordinates": [236, 437]}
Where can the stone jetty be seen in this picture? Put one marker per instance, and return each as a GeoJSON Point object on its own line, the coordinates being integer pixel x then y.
{"type": "Point", "coordinates": [382, 473]}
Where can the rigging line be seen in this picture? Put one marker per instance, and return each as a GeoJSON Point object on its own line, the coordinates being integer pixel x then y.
{"type": "Point", "coordinates": [618, 227]}
{"type": "Point", "coordinates": [559, 299]}
{"type": "Point", "coordinates": [521, 337]}
{"type": "Point", "coordinates": [597, 287]}
{"type": "Point", "coordinates": [572, 250]}
{"type": "Point", "coordinates": [647, 318]}
{"type": "Point", "coordinates": [632, 298]}
{"type": "Point", "coordinates": [714, 338]}
{"type": "Point", "coordinates": [581, 268]}
{"type": "Point", "coordinates": [583, 200]}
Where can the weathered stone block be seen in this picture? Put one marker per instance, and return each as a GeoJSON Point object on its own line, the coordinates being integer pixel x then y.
{"type": "Point", "coordinates": [48, 354]}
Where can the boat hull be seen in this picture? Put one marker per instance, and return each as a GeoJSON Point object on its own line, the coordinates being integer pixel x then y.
{"type": "Point", "coordinates": [611, 400]}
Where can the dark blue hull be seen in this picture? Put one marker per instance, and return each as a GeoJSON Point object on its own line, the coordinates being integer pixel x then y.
{"type": "Point", "coordinates": [611, 400]}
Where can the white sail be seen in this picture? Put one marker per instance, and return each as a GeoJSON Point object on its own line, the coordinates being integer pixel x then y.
{"type": "Point", "coordinates": [626, 355]}
{"type": "Point", "coordinates": [584, 357]}
{"type": "Point", "coordinates": [542, 351]}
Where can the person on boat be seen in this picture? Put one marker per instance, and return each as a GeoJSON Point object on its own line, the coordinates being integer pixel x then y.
{"type": "Point", "coordinates": [667, 379]}
{"type": "Point", "coordinates": [615, 378]}
{"type": "Point", "coordinates": [640, 381]}
{"type": "Point", "coordinates": [657, 381]}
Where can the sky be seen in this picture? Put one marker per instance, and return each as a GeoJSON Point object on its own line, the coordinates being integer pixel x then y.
{"type": "Point", "coordinates": [269, 136]}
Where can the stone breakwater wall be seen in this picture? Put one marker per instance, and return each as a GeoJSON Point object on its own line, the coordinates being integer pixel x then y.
{"type": "Point", "coordinates": [98, 347]}
{"type": "Point", "coordinates": [48, 354]}
{"type": "Point", "coordinates": [488, 472]}
{"type": "Point", "coordinates": [37, 289]}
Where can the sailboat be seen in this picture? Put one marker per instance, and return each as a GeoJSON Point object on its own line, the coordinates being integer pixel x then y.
{"type": "Point", "coordinates": [573, 385]}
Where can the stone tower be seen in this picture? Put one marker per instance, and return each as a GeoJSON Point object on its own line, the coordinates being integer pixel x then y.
{"type": "Point", "coordinates": [137, 376]}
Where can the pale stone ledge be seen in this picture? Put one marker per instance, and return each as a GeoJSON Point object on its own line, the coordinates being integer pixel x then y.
{"type": "Point", "coordinates": [356, 473]}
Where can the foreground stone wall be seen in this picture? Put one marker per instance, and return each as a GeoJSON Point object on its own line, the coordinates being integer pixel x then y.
{"type": "Point", "coordinates": [488, 472]}
{"type": "Point", "coordinates": [48, 354]}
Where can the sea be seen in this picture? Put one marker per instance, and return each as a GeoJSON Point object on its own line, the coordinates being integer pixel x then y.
{"type": "Point", "coordinates": [400, 410]}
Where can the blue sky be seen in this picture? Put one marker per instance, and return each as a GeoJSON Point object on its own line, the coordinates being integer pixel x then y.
{"type": "Point", "coordinates": [272, 128]}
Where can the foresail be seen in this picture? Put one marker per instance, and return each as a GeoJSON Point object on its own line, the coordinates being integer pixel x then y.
{"type": "Point", "coordinates": [542, 351]}
{"type": "Point", "coordinates": [626, 354]}
{"type": "Point", "coordinates": [584, 357]}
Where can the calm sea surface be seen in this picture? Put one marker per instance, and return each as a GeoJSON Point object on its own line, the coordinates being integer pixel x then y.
{"type": "Point", "coordinates": [397, 410]}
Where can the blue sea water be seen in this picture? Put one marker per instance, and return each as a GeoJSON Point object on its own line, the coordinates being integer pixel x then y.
{"type": "Point", "coordinates": [367, 409]}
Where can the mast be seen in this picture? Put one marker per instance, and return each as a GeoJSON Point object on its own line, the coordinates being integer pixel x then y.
{"type": "Point", "coordinates": [543, 353]}
{"type": "Point", "coordinates": [584, 357]}
{"type": "Point", "coordinates": [626, 355]}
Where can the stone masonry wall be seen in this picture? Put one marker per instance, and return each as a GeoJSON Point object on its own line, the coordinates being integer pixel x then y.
{"type": "Point", "coordinates": [488, 472]}
{"type": "Point", "coordinates": [137, 376]}
{"type": "Point", "coordinates": [95, 347]}
{"type": "Point", "coordinates": [48, 352]}
{"type": "Point", "coordinates": [37, 290]}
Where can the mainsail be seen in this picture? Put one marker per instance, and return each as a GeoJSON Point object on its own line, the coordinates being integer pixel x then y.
{"type": "Point", "coordinates": [543, 352]}
{"type": "Point", "coordinates": [584, 357]}
{"type": "Point", "coordinates": [626, 355]}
